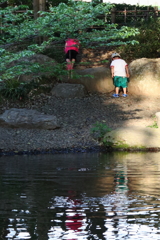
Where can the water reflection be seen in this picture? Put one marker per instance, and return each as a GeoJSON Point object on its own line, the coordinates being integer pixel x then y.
{"type": "Point", "coordinates": [80, 196]}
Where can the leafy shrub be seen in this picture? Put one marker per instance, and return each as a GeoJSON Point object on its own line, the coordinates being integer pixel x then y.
{"type": "Point", "coordinates": [99, 130]}
{"type": "Point", "coordinates": [14, 89]}
{"type": "Point", "coordinates": [149, 42]}
{"type": "Point", "coordinates": [154, 125]}
{"type": "Point", "coordinates": [50, 28]}
{"type": "Point", "coordinates": [56, 52]}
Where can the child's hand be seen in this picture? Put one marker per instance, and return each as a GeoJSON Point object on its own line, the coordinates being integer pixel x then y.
{"type": "Point", "coordinates": [127, 75]}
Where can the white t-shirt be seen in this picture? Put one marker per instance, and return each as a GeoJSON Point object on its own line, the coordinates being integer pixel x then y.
{"type": "Point", "coordinates": [119, 67]}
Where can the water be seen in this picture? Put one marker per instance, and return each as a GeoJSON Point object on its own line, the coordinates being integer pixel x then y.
{"type": "Point", "coordinates": [80, 196]}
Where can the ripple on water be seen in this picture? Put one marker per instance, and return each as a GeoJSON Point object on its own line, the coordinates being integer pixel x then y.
{"type": "Point", "coordinates": [82, 196]}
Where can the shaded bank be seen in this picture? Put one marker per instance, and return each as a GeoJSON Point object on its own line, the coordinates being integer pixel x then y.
{"type": "Point", "coordinates": [93, 149]}
{"type": "Point", "coordinates": [76, 117]}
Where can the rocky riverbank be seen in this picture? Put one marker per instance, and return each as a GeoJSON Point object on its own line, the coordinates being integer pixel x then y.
{"type": "Point", "coordinates": [76, 117]}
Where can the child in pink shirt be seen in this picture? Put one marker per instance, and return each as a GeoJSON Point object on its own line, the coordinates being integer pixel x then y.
{"type": "Point", "coordinates": [71, 51]}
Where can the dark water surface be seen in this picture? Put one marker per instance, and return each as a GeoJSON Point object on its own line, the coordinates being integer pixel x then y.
{"type": "Point", "coordinates": [80, 196]}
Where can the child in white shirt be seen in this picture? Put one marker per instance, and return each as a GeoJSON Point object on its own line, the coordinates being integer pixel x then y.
{"type": "Point", "coordinates": [120, 74]}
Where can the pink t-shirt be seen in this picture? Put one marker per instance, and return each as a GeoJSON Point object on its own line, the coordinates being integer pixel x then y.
{"type": "Point", "coordinates": [69, 43]}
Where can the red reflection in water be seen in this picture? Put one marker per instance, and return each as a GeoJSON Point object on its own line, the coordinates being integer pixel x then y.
{"type": "Point", "coordinates": [74, 218]}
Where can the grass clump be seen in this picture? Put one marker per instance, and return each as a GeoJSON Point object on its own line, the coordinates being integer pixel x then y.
{"type": "Point", "coordinates": [99, 130]}
{"type": "Point", "coordinates": [154, 125]}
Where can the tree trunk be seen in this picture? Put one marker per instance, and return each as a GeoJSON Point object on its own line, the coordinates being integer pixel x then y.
{"type": "Point", "coordinates": [35, 8]}
{"type": "Point", "coordinates": [42, 5]}
{"type": "Point", "coordinates": [113, 15]}
{"type": "Point", "coordinates": [38, 5]}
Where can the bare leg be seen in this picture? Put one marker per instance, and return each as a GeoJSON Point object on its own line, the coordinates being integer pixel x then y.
{"type": "Point", "coordinates": [72, 65]}
{"type": "Point", "coordinates": [69, 64]}
{"type": "Point", "coordinates": [124, 90]}
{"type": "Point", "coordinates": [69, 67]}
{"type": "Point", "coordinates": [117, 90]}
{"type": "Point", "coordinates": [72, 62]}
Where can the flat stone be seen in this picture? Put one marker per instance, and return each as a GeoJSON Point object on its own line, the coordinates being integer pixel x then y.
{"type": "Point", "coordinates": [25, 118]}
{"type": "Point", "coordinates": [67, 90]}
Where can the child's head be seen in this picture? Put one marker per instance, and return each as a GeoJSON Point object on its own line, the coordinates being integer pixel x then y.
{"type": "Point", "coordinates": [115, 55]}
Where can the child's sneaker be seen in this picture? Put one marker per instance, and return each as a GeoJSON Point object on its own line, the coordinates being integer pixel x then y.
{"type": "Point", "coordinates": [124, 95]}
{"type": "Point", "coordinates": [115, 95]}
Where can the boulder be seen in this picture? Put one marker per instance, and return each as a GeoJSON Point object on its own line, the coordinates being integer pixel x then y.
{"type": "Point", "coordinates": [158, 118]}
{"type": "Point", "coordinates": [47, 65]}
{"type": "Point", "coordinates": [67, 90]}
{"type": "Point", "coordinates": [24, 118]}
{"type": "Point", "coordinates": [134, 137]}
{"type": "Point", "coordinates": [96, 79]}
{"type": "Point", "coordinates": [145, 77]}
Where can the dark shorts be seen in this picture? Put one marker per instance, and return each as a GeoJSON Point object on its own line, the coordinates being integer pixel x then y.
{"type": "Point", "coordinates": [71, 54]}
{"type": "Point", "coordinates": [120, 81]}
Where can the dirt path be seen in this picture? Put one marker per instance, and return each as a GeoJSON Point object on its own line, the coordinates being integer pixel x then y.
{"type": "Point", "coordinates": [77, 117]}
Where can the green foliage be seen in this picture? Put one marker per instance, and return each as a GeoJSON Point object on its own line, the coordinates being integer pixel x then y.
{"type": "Point", "coordinates": [12, 24]}
{"type": "Point", "coordinates": [14, 65]}
{"type": "Point", "coordinates": [19, 2]}
{"type": "Point", "coordinates": [56, 2]}
{"type": "Point", "coordinates": [74, 19]}
{"type": "Point", "coordinates": [149, 42]}
{"type": "Point", "coordinates": [29, 3]}
{"type": "Point", "coordinates": [155, 125]}
{"type": "Point", "coordinates": [77, 19]}
{"type": "Point", "coordinates": [56, 52]}
{"type": "Point", "coordinates": [12, 71]}
{"type": "Point", "coordinates": [75, 75]}
{"type": "Point", "coordinates": [16, 90]}
{"type": "Point", "coordinates": [58, 71]}
{"type": "Point", "coordinates": [99, 130]}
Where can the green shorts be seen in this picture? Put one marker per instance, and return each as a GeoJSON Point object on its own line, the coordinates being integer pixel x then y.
{"type": "Point", "coordinates": [120, 81]}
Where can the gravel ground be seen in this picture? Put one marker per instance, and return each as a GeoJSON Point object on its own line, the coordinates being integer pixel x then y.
{"type": "Point", "coordinates": [76, 117]}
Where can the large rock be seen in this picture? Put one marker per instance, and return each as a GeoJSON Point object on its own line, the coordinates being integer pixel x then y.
{"type": "Point", "coordinates": [145, 77]}
{"type": "Point", "coordinates": [96, 79]}
{"type": "Point", "coordinates": [158, 119]}
{"type": "Point", "coordinates": [67, 90]}
{"type": "Point", "coordinates": [47, 65]}
{"type": "Point", "coordinates": [134, 137]}
{"type": "Point", "coordinates": [18, 118]}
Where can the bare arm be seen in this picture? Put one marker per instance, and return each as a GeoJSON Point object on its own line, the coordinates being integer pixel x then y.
{"type": "Point", "coordinates": [127, 71]}
{"type": "Point", "coordinates": [112, 71]}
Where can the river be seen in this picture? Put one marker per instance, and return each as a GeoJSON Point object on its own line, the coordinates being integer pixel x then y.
{"type": "Point", "coordinates": [80, 196]}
